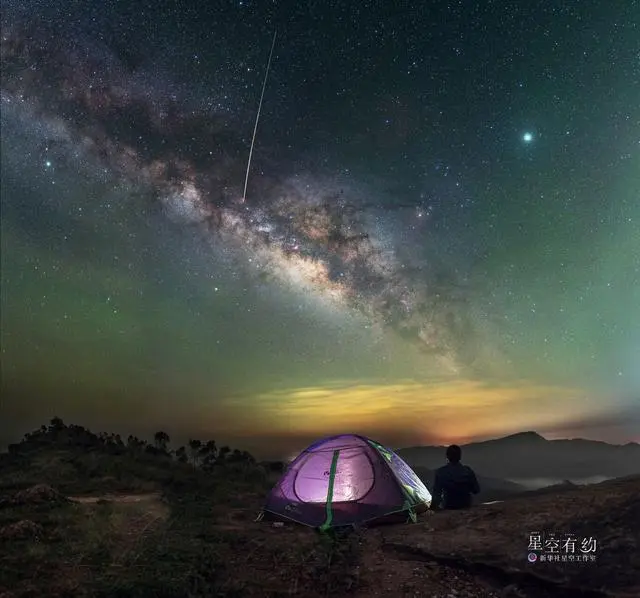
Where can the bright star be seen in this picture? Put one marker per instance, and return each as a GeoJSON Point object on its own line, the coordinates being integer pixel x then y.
{"type": "Point", "coordinates": [527, 137]}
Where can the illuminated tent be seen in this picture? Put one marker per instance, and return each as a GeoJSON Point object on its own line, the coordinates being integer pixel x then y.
{"type": "Point", "coordinates": [347, 480]}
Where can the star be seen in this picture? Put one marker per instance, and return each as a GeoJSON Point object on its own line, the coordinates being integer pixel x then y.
{"type": "Point", "coordinates": [358, 245]}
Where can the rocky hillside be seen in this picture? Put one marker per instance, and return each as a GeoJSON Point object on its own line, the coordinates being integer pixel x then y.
{"type": "Point", "coordinates": [492, 541]}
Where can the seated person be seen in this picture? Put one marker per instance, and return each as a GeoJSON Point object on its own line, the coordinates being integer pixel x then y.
{"type": "Point", "coordinates": [454, 483]}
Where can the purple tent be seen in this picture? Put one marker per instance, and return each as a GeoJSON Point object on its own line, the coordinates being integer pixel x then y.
{"type": "Point", "coordinates": [347, 480]}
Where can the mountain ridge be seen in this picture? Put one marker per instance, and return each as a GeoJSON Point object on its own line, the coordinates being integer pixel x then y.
{"type": "Point", "coordinates": [527, 435]}
{"type": "Point", "coordinates": [528, 455]}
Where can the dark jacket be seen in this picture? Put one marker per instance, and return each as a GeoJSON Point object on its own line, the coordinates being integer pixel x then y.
{"type": "Point", "coordinates": [453, 486]}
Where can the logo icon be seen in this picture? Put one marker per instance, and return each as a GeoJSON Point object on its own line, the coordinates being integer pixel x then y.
{"type": "Point", "coordinates": [532, 557]}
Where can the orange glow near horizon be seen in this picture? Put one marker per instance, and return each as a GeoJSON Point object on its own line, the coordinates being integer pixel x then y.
{"type": "Point", "coordinates": [447, 411]}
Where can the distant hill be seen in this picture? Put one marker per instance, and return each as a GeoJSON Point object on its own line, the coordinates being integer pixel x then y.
{"type": "Point", "coordinates": [528, 455]}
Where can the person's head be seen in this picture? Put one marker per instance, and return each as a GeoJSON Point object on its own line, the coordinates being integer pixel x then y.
{"type": "Point", "coordinates": [454, 453]}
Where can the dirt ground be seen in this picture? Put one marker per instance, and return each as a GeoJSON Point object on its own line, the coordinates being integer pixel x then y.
{"type": "Point", "coordinates": [120, 544]}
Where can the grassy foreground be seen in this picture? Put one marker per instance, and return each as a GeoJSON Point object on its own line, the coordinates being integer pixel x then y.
{"type": "Point", "coordinates": [84, 516]}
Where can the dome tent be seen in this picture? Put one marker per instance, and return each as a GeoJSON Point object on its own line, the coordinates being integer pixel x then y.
{"type": "Point", "coordinates": [346, 480]}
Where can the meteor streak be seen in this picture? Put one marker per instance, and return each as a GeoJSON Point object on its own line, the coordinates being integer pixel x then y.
{"type": "Point", "coordinates": [301, 232]}
{"type": "Point", "coordinates": [255, 128]}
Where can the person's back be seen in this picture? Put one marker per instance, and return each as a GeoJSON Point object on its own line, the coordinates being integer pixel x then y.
{"type": "Point", "coordinates": [454, 483]}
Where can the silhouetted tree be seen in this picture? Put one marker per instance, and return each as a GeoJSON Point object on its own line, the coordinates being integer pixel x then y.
{"type": "Point", "coordinates": [161, 440]}
{"type": "Point", "coordinates": [150, 449]}
{"type": "Point", "coordinates": [56, 425]}
{"type": "Point", "coordinates": [275, 466]}
{"type": "Point", "coordinates": [134, 444]}
{"type": "Point", "coordinates": [223, 453]}
{"type": "Point", "coordinates": [181, 455]}
{"type": "Point", "coordinates": [80, 436]}
{"type": "Point", "coordinates": [236, 456]}
{"type": "Point", "coordinates": [194, 448]}
{"type": "Point", "coordinates": [208, 454]}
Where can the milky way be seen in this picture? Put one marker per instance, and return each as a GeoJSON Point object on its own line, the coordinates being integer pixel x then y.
{"type": "Point", "coordinates": [439, 238]}
{"type": "Point", "coordinates": [298, 230]}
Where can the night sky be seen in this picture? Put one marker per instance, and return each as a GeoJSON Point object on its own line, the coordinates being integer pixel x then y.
{"type": "Point", "coordinates": [440, 239]}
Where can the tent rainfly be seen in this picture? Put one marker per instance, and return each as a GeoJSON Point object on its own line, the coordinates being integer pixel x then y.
{"type": "Point", "coordinates": [347, 480]}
